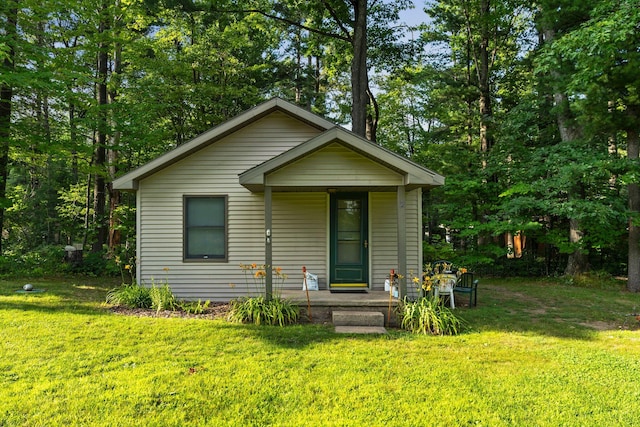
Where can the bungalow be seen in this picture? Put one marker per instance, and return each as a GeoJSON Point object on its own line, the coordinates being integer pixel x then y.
{"type": "Point", "coordinates": [279, 186]}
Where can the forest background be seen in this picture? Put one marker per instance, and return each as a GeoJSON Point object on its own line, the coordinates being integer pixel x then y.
{"type": "Point", "coordinates": [531, 110]}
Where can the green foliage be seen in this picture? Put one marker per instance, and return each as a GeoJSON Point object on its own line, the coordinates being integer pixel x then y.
{"type": "Point", "coordinates": [39, 262]}
{"type": "Point", "coordinates": [156, 297]}
{"type": "Point", "coordinates": [71, 211]}
{"type": "Point", "coordinates": [96, 264]}
{"type": "Point", "coordinates": [194, 307]}
{"type": "Point", "coordinates": [130, 295]}
{"type": "Point", "coordinates": [187, 66]}
{"type": "Point", "coordinates": [162, 298]}
{"type": "Point", "coordinates": [427, 315]}
{"type": "Point", "coordinates": [437, 248]}
{"type": "Point", "coordinates": [260, 311]}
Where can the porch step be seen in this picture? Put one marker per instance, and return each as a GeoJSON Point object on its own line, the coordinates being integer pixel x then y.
{"type": "Point", "coordinates": [358, 318]}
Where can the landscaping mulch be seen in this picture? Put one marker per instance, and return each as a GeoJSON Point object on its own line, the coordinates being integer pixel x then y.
{"type": "Point", "coordinates": [216, 310]}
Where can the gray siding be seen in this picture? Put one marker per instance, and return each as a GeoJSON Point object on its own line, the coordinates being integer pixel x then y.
{"type": "Point", "coordinates": [384, 241]}
{"type": "Point", "coordinates": [212, 171]}
{"type": "Point", "coordinates": [335, 165]}
{"type": "Point", "coordinates": [300, 221]}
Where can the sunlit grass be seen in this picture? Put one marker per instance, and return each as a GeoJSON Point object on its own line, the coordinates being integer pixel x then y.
{"type": "Point", "coordinates": [538, 353]}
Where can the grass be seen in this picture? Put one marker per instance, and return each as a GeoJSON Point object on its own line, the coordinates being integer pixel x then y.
{"type": "Point", "coordinates": [539, 353]}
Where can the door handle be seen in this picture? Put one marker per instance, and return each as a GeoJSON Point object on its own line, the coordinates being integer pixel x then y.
{"type": "Point", "coordinates": [366, 244]}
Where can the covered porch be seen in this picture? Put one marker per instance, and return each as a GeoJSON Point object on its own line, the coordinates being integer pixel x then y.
{"type": "Point", "coordinates": [354, 175]}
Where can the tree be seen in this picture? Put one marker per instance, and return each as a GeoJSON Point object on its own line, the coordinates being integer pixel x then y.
{"type": "Point", "coordinates": [9, 19]}
{"type": "Point", "coordinates": [480, 44]}
{"type": "Point", "coordinates": [606, 83]}
{"type": "Point", "coordinates": [341, 21]}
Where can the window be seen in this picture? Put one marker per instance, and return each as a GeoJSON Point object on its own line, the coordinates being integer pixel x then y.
{"type": "Point", "coordinates": [205, 228]}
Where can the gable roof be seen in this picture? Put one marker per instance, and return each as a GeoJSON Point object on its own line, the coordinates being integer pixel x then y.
{"type": "Point", "coordinates": [254, 178]}
{"type": "Point", "coordinates": [414, 174]}
{"type": "Point", "coordinates": [130, 180]}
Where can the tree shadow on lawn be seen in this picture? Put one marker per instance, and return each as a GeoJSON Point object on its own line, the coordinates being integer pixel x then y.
{"type": "Point", "coordinates": [552, 310]}
{"type": "Point", "coordinates": [294, 336]}
{"type": "Point", "coordinates": [53, 298]}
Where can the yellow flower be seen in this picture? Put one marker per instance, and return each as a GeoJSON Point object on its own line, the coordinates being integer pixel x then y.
{"type": "Point", "coordinates": [416, 280]}
{"type": "Point", "coordinates": [254, 265]}
{"type": "Point", "coordinates": [260, 273]}
{"type": "Point", "coordinates": [127, 267]}
{"type": "Point", "coordinates": [166, 268]}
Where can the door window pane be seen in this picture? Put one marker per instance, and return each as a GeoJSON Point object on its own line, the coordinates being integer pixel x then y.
{"type": "Point", "coordinates": [349, 233]}
{"type": "Point", "coordinates": [349, 252]}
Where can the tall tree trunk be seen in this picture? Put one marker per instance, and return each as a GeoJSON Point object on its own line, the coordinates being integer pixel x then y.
{"type": "Point", "coordinates": [577, 261]}
{"type": "Point", "coordinates": [359, 75]}
{"type": "Point", "coordinates": [99, 189]}
{"type": "Point", "coordinates": [73, 136]}
{"type": "Point", "coordinates": [569, 131]}
{"type": "Point", "coordinates": [485, 107]}
{"type": "Point", "coordinates": [372, 119]}
{"type": "Point", "coordinates": [112, 154]}
{"type": "Point", "coordinates": [633, 152]}
{"type": "Point", "coordinates": [484, 100]}
{"type": "Point", "coordinates": [6, 95]}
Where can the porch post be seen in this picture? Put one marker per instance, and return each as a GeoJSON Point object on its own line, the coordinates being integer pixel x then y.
{"type": "Point", "coordinates": [402, 241]}
{"type": "Point", "coordinates": [268, 258]}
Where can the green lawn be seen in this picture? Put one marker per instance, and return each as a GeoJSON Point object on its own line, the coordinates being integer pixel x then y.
{"type": "Point", "coordinates": [534, 354]}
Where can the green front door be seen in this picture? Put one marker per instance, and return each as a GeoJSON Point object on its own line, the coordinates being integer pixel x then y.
{"type": "Point", "coordinates": [349, 247]}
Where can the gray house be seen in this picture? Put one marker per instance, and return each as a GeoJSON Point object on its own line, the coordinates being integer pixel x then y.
{"type": "Point", "coordinates": [279, 186]}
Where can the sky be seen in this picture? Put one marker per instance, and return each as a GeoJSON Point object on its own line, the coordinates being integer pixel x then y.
{"type": "Point", "coordinates": [416, 15]}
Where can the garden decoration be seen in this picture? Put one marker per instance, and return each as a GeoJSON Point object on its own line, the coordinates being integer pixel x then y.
{"type": "Point", "coordinates": [392, 285]}
{"type": "Point", "coordinates": [306, 288]}
{"type": "Point", "coordinates": [29, 289]}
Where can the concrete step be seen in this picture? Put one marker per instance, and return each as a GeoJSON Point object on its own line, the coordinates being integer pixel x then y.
{"type": "Point", "coordinates": [358, 318]}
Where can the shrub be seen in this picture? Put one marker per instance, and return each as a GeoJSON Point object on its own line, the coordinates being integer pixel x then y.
{"type": "Point", "coordinates": [162, 298]}
{"type": "Point", "coordinates": [156, 297]}
{"type": "Point", "coordinates": [259, 310]}
{"type": "Point", "coordinates": [130, 295]}
{"type": "Point", "coordinates": [95, 264]}
{"type": "Point", "coordinates": [38, 262]}
{"type": "Point", "coordinates": [428, 316]}
{"type": "Point", "coordinates": [193, 307]}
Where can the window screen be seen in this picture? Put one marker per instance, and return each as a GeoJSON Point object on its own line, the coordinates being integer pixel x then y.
{"type": "Point", "coordinates": [205, 227]}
